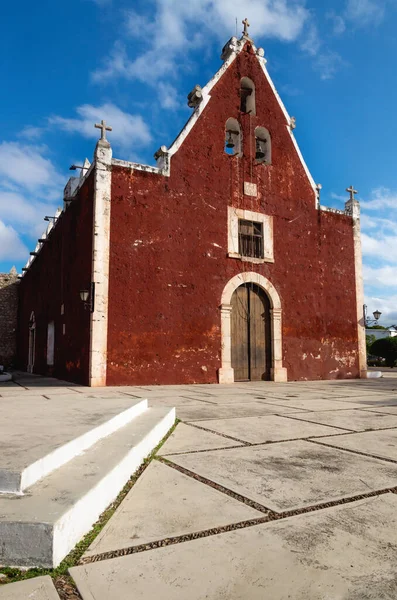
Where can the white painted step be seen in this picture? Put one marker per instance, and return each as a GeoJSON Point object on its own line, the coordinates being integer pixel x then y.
{"type": "Point", "coordinates": [42, 526]}
{"type": "Point", "coordinates": [17, 473]}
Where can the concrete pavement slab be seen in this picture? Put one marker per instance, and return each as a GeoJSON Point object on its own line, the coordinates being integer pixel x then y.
{"type": "Point", "coordinates": [186, 438]}
{"type": "Point", "coordinates": [269, 428]}
{"type": "Point", "coordinates": [386, 410]}
{"type": "Point", "coordinates": [228, 411]}
{"type": "Point", "coordinates": [38, 588]}
{"type": "Point", "coordinates": [291, 475]}
{"type": "Point", "coordinates": [165, 503]}
{"type": "Point", "coordinates": [341, 553]}
{"type": "Point", "coordinates": [176, 401]}
{"type": "Point", "coordinates": [355, 420]}
{"type": "Point", "coordinates": [382, 443]}
{"type": "Point", "coordinates": [230, 398]}
{"type": "Point", "coordinates": [312, 404]}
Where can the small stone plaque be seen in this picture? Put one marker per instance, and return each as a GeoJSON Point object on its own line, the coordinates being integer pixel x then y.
{"type": "Point", "coordinates": [250, 189]}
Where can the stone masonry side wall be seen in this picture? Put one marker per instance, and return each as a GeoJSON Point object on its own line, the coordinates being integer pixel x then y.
{"type": "Point", "coordinates": [8, 317]}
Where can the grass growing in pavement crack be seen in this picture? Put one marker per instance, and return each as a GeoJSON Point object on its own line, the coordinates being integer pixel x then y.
{"type": "Point", "coordinates": [63, 582]}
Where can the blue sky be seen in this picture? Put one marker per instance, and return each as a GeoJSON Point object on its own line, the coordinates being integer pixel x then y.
{"type": "Point", "coordinates": [66, 65]}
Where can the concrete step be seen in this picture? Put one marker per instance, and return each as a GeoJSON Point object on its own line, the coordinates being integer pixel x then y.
{"type": "Point", "coordinates": [38, 588]}
{"type": "Point", "coordinates": [53, 433]}
{"type": "Point", "coordinates": [42, 526]}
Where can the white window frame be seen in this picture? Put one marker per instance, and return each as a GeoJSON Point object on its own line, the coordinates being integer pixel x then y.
{"type": "Point", "coordinates": [234, 214]}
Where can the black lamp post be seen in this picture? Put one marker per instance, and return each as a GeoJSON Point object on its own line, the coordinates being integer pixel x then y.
{"type": "Point", "coordinates": [368, 322]}
{"type": "Point", "coordinates": [87, 298]}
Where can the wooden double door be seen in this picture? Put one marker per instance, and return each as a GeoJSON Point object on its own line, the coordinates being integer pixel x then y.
{"type": "Point", "coordinates": [251, 333]}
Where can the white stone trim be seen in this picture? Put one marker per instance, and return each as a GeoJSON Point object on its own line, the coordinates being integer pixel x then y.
{"type": "Point", "coordinates": [233, 216]}
{"type": "Point", "coordinates": [100, 264]}
{"type": "Point", "coordinates": [137, 166]}
{"type": "Point", "coordinates": [332, 210]}
{"type": "Point", "coordinates": [235, 49]}
{"type": "Point", "coordinates": [226, 372]}
{"type": "Point", "coordinates": [358, 270]}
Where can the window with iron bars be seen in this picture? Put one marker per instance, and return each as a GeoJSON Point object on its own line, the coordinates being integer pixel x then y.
{"type": "Point", "coordinates": [250, 238]}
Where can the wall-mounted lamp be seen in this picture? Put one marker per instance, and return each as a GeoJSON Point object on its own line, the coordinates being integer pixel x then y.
{"type": "Point", "coordinates": [75, 167]}
{"type": "Point", "coordinates": [47, 218]}
{"type": "Point", "coordinates": [87, 298]}
{"type": "Point", "coordinates": [368, 322]}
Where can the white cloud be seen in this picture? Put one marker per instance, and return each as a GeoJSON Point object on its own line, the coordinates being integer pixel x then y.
{"type": "Point", "coordinates": [11, 246]}
{"type": "Point", "coordinates": [379, 223]}
{"type": "Point", "coordinates": [176, 28]}
{"type": "Point", "coordinates": [27, 166]}
{"type": "Point", "coordinates": [385, 276]}
{"type": "Point", "coordinates": [328, 63]}
{"type": "Point", "coordinates": [24, 211]}
{"type": "Point", "coordinates": [338, 22]}
{"type": "Point", "coordinates": [128, 131]}
{"type": "Point", "coordinates": [387, 306]}
{"type": "Point", "coordinates": [169, 95]}
{"type": "Point", "coordinates": [383, 247]}
{"type": "Point", "coordinates": [31, 133]}
{"type": "Point", "coordinates": [365, 12]}
{"type": "Point", "coordinates": [311, 41]}
{"type": "Point", "coordinates": [29, 186]}
{"type": "Point", "coordinates": [382, 198]}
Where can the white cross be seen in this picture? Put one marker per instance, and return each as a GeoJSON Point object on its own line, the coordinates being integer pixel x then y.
{"type": "Point", "coordinates": [246, 25]}
{"type": "Point", "coordinates": [351, 191]}
{"type": "Point", "coordinates": [104, 128]}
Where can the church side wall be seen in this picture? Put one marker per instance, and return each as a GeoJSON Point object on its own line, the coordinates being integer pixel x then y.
{"type": "Point", "coordinates": [169, 257]}
{"type": "Point", "coordinates": [50, 289]}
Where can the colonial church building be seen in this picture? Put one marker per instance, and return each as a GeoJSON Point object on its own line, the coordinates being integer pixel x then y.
{"type": "Point", "coordinates": [217, 265]}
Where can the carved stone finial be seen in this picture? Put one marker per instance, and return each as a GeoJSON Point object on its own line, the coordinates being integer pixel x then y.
{"type": "Point", "coordinates": [161, 157]}
{"type": "Point", "coordinates": [104, 128]}
{"type": "Point", "coordinates": [246, 25]}
{"type": "Point", "coordinates": [13, 271]}
{"type": "Point", "coordinates": [352, 192]}
{"type": "Point", "coordinates": [195, 96]}
{"type": "Point", "coordinates": [293, 123]}
{"type": "Point", "coordinates": [229, 48]}
{"type": "Point", "coordinates": [352, 206]}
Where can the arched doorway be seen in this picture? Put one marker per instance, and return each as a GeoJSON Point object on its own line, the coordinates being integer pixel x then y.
{"type": "Point", "coordinates": [32, 343]}
{"type": "Point", "coordinates": [251, 333]}
{"type": "Point", "coordinates": [277, 371]}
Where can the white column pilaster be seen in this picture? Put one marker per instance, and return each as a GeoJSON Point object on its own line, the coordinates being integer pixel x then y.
{"type": "Point", "coordinates": [100, 263]}
{"type": "Point", "coordinates": [226, 372]}
{"type": "Point", "coordinates": [278, 372]}
{"type": "Point", "coordinates": [352, 208]}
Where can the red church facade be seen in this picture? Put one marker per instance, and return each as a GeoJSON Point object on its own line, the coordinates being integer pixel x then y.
{"type": "Point", "coordinates": [218, 265]}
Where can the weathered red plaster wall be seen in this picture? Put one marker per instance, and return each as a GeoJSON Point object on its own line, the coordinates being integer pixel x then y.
{"type": "Point", "coordinates": [168, 252]}
{"type": "Point", "coordinates": [56, 276]}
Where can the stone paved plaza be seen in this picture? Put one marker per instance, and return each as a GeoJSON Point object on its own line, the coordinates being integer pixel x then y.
{"type": "Point", "coordinates": [263, 491]}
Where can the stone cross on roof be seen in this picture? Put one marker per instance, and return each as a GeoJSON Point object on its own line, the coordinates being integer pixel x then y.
{"type": "Point", "coordinates": [104, 128]}
{"type": "Point", "coordinates": [246, 25]}
{"type": "Point", "coordinates": [352, 192]}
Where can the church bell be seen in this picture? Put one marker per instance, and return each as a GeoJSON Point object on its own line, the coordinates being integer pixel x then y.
{"type": "Point", "coordinates": [260, 149]}
{"type": "Point", "coordinates": [230, 141]}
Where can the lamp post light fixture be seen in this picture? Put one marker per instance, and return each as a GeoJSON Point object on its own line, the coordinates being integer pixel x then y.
{"type": "Point", "coordinates": [87, 298]}
{"type": "Point", "coordinates": [368, 322]}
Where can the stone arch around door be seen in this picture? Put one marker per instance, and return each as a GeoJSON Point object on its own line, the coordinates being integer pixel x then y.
{"type": "Point", "coordinates": [226, 372]}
